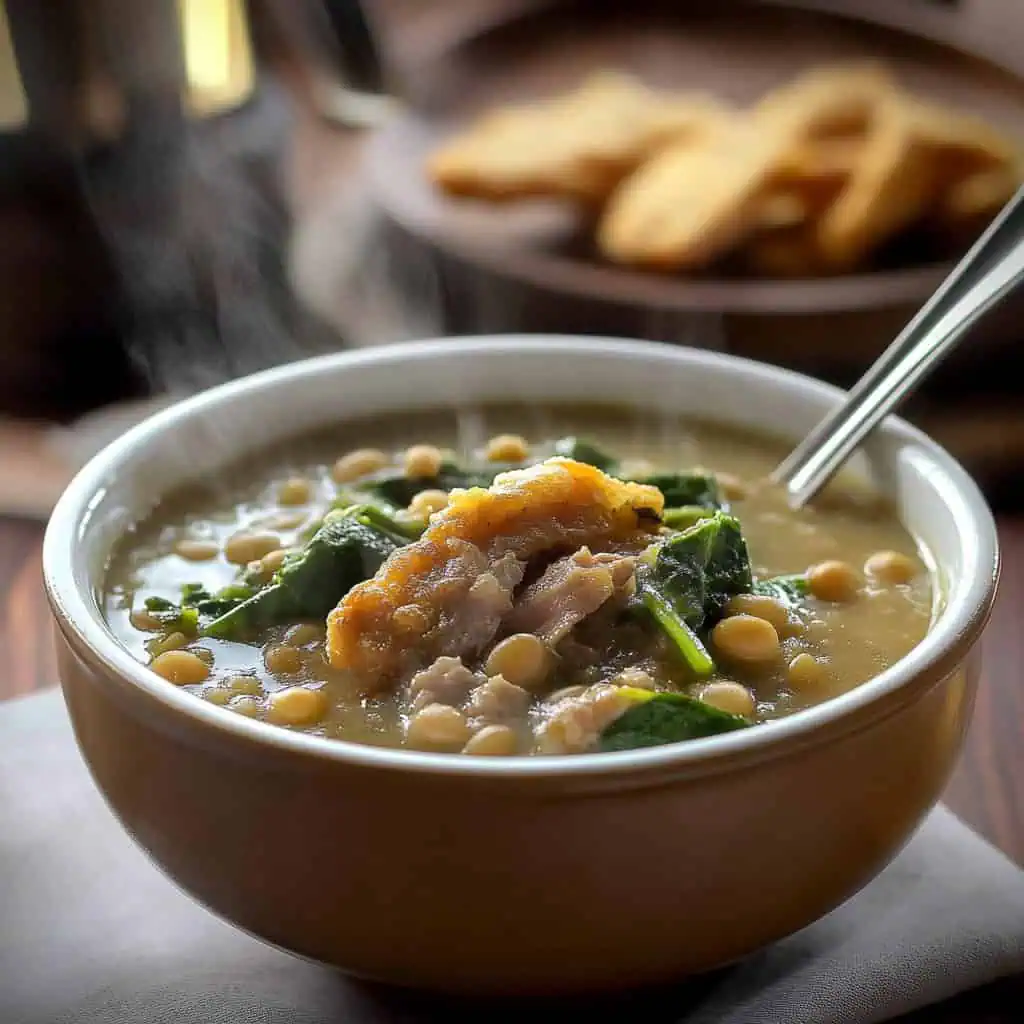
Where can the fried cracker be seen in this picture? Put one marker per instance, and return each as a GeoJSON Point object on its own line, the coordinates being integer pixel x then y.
{"type": "Point", "coordinates": [783, 242]}
{"type": "Point", "coordinates": [821, 164]}
{"type": "Point", "coordinates": [890, 188]}
{"type": "Point", "coordinates": [509, 154]}
{"type": "Point", "coordinates": [813, 179]}
{"type": "Point", "coordinates": [579, 145]}
{"type": "Point", "coordinates": [965, 144]}
{"type": "Point", "coordinates": [823, 102]}
{"type": "Point", "coordinates": [782, 210]}
{"type": "Point", "coordinates": [808, 179]}
{"type": "Point", "coordinates": [979, 197]}
{"type": "Point", "coordinates": [966, 207]}
{"type": "Point", "coordinates": [690, 203]}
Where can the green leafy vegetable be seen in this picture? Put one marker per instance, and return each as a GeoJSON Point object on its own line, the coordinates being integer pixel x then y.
{"type": "Point", "coordinates": [583, 451]}
{"type": "Point", "coordinates": [192, 593]}
{"type": "Point", "coordinates": [687, 581]}
{"type": "Point", "coordinates": [681, 489]}
{"type": "Point", "coordinates": [394, 487]}
{"type": "Point", "coordinates": [703, 567]}
{"type": "Point", "coordinates": [787, 589]}
{"type": "Point", "coordinates": [658, 718]}
{"type": "Point", "coordinates": [211, 606]}
{"type": "Point", "coordinates": [347, 497]}
{"type": "Point", "coordinates": [197, 604]}
{"type": "Point", "coordinates": [346, 550]}
{"type": "Point", "coordinates": [374, 511]}
{"type": "Point", "coordinates": [686, 516]}
{"type": "Point", "coordinates": [401, 531]}
{"type": "Point", "coordinates": [172, 617]}
{"type": "Point", "coordinates": [673, 622]}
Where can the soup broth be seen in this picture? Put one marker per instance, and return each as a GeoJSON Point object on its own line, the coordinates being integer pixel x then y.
{"type": "Point", "coordinates": [377, 584]}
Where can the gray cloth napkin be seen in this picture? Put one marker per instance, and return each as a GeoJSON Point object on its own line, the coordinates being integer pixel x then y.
{"type": "Point", "coordinates": [91, 933]}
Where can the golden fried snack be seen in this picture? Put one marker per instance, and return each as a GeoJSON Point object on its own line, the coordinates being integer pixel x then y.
{"type": "Point", "coordinates": [578, 146]}
{"type": "Point", "coordinates": [782, 210]}
{"type": "Point", "coordinates": [963, 144]}
{"type": "Point", "coordinates": [979, 167]}
{"type": "Point", "coordinates": [819, 168]}
{"type": "Point", "coordinates": [891, 187]}
{"type": "Point", "coordinates": [783, 242]}
{"type": "Point", "coordinates": [690, 203]}
{"type": "Point", "coordinates": [979, 197]}
{"type": "Point", "coordinates": [429, 597]}
{"type": "Point", "coordinates": [835, 100]}
{"type": "Point", "coordinates": [813, 179]}
{"type": "Point", "coordinates": [807, 180]}
{"type": "Point", "coordinates": [790, 253]}
{"type": "Point", "coordinates": [511, 154]}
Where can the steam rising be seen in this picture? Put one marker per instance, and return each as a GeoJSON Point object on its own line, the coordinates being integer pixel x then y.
{"type": "Point", "coordinates": [218, 282]}
{"type": "Point", "coordinates": [348, 271]}
{"type": "Point", "coordinates": [195, 217]}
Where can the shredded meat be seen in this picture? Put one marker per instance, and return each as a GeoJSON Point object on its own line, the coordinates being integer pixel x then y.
{"type": "Point", "coordinates": [576, 723]}
{"type": "Point", "coordinates": [472, 594]}
{"type": "Point", "coordinates": [448, 606]}
{"type": "Point", "coordinates": [447, 681]}
{"type": "Point", "coordinates": [496, 702]}
{"type": "Point", "coordinates": [571, 589]}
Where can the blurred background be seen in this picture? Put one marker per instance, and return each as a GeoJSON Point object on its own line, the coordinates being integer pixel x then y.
{"type": "Point", "coordinates": [191, 190]}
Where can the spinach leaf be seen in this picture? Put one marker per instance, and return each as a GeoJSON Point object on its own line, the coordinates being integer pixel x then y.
{"type": "Point", "coordinates": [395, 488]}
{"type": "Point", "coordinates": [583, 451]}
{"type": "Point", "coordinates": [672, 620]}
{"type": "Point", "coordinates": [197, 605]}
{"type": "Point", "coordinates": [346, 497]}
{"type": "Point", "coordinates": [211, 606]}
{"type": "Point", "coordinates": [346, 550]}
{"type": "Point", "coordinates": [685, 516]}
{"type": "Point", "coordinates": [686, 582]}
{"type": "Point", "coordinates": [191, 593]}
{"type": "Point", "coordinates": [703, 567]}
{"type": "Point", "coordinates": [401, 531]}
{"type": "Point", "coordinates": [785, 589]}
{"type": "Point", "coordinates": [371, 510]}
{"type": "Point", "coordinates": [694, 488]}
{"type": "Point", "coordinates": [174, 618]}
{"type": "Point", "coordinates": [658, 718]}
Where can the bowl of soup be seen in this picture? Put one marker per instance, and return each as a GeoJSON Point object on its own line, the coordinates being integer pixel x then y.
{"type": "Point", "coordinates": [500, 665]}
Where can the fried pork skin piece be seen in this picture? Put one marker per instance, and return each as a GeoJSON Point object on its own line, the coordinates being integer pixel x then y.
{"type": "Point", "coordinates": [429, 599]}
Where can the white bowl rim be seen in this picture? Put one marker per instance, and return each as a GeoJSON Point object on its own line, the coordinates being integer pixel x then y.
{"type": "Point", "coordinates": [69, 524]}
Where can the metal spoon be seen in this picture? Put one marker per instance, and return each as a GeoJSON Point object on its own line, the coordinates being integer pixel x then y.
{"type": "Point", "coordinates": [984, 277]}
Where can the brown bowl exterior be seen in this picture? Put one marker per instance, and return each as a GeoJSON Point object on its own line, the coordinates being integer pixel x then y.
{"type": "Point", "coordinates": [529, 884]}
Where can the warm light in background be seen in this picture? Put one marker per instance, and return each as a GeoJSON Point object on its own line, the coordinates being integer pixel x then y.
{"type": "Point", "coordinates": [218, 55]}
{"type": "Point", "coordinates": [13, 110]}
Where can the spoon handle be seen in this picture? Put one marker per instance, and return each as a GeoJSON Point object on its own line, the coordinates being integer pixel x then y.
{"type": "Point", "coordinates": [990, 270]}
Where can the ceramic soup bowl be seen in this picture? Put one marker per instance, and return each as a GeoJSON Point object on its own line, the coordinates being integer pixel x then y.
{"type": "Point", "coordinates": [529, 874]}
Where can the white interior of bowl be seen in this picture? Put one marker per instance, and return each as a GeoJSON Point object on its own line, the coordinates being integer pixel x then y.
{"type": "Point", "coordinates": [936, 499]}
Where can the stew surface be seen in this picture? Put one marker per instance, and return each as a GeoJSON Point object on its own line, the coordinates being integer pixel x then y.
{"type": "Point", "coordinates": [515, 581]}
